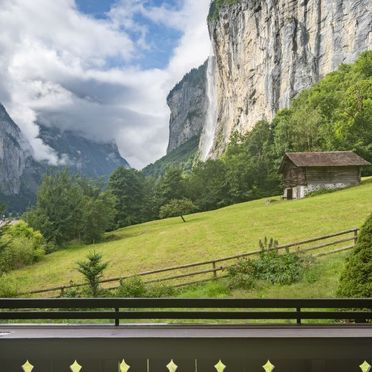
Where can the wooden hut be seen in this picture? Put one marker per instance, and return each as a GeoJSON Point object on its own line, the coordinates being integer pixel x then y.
{"type": "Point", "coordinates": [305, 172]}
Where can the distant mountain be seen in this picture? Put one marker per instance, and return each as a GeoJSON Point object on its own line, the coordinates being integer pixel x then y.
{"type": "Point", "coordinates": [20, 173]}
{"type": "Point", "coordinates": [86, 157]}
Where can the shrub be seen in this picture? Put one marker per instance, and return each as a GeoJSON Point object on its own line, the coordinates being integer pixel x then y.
{"type": "Point", "coordinates": [356, 279]}
{"type": "Point", "coordinates": [278, 268]}
{"type": "Point", "coordinates": [131, 287]}
{"type": "Point", "coordinates": [74, 292]}
{"type": "Point", "coordinates": [242, 274]}
{"type": "Point", "coordinates": [8, 287]}
{"type": "Point", "coordinates": [271, 266]}
{"type": "Point", "coordinates": [135, 287]}
{"type": "Point", "coordinates": [21, 245]}
{"type": "Point", "coordinates": [159, 290]}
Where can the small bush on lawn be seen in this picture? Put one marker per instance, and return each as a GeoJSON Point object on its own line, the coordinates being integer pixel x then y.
{"type": "Point", "coordinates": [135, 287]}
{"type": "Point", "coordinates": [131, 287]}
{"type": "Point", "coordinates": [20, 246]}
{"type": "Point", "coordinates": [242, 274]}
{"type": "Point", "coordinates": [271, 266]}
{"type": "Point", "coordinates": [356, 279]}
{"type": "Point", "coordinates": [8, 287]}
{"type": "Point", "coordinates": [159, 290]}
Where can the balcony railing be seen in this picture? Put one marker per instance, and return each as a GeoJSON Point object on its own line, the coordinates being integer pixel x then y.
{"type": "Point", "coordinates": [221, 335]}
{"type": "Point", "coordinates": [298, 310]}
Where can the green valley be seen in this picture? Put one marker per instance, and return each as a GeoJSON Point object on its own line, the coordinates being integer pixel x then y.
{"type": "Point", "coordinates": [231, 230]}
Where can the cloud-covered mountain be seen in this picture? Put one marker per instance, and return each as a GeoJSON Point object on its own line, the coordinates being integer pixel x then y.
{"type": "Point", "coordinates": [106, 75]}
{"type": "Point", "coordinates": [20, 173]}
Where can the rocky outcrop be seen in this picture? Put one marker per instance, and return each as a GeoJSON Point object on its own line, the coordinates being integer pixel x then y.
{"type": "Point", "coordinates": [269, 50]}
{"type": "Point", "coordinates": [188, 104]}
{"type": "Point", "coordinates": [14, 154]}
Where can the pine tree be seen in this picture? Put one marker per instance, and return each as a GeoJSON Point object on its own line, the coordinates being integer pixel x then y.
{"type": "Point", "coordinates": [92, 269]}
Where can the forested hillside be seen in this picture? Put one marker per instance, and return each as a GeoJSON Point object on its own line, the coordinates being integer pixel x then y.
{"type": "Point", "coordinates": [335, 114]}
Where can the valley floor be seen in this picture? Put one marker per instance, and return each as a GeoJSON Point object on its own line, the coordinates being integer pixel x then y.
{"type": "Point", "coordinates": [232, 230]}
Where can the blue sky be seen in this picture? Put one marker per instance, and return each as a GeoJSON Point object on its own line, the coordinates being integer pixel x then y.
{"type": "Point", "coordinates": [161, 39]}
{"type": "Point", "coordinates": [104, 68]}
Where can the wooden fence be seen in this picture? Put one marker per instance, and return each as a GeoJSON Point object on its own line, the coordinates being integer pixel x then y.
{"type": "Point", "coordinates": [204, 271]}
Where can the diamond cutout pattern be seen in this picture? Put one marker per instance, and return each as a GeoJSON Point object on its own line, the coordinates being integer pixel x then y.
{"type": "Point", "coordinates": [172, 367]}
{"type": "Point", "coordinates": [75, 367]}
{"type": "Point", "coordinates": [365, 366]}
{"type": "Point", "coordinates": [123, 366]}
{"type": "Point", "coordinates": [220, 366]}
{"type": "Point", "coordinates": [27, 367]}
{"type": "Point", "coordinates": [268, 367]}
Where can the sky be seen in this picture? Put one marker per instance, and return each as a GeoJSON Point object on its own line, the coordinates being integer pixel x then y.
{"type": "Point", "coordinates": [100, 67]}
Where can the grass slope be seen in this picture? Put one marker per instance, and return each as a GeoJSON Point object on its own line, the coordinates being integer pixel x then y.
{"type": "Point", "coordinates": [231, 230]}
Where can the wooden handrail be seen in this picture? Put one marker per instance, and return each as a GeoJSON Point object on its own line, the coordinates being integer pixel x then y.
{"type": "Point", "coordinates": [178, 308]}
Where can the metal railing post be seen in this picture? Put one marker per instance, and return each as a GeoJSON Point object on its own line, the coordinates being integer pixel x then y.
{"type": "Point", "coordinates": [298, 312]}
{"type": "Point", "coordinates": [117, 317]}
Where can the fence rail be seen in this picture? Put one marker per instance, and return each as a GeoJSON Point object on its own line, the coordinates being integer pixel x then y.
{"type": "Point", "coordinates": [201, 271]}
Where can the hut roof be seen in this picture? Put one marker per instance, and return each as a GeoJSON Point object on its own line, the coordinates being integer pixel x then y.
{"type": "Point", "coordinates": [324, 159]}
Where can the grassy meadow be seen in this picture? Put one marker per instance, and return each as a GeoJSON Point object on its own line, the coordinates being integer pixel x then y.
{"type": "Point", "coordinates": [231, 230]}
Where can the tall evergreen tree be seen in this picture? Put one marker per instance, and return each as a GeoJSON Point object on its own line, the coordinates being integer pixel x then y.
{"type": "Point", "coordinates": [128, 188]}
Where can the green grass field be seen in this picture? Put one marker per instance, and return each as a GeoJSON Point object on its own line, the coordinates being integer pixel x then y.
{"type": "Point", "coordinates": [232, 230]}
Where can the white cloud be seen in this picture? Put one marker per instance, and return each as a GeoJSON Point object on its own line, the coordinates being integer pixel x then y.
{"type": "Point", "coordinates": [55, 68]}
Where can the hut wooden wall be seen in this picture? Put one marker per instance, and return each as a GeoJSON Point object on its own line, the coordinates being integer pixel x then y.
{"type": "Point", "coordinates": [327, 175]}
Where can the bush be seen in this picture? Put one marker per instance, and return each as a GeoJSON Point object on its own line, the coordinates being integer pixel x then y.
{"type": "Point", "coordinates": [131, 287]}
{"type": "Point", "coordinates": [278, 268]}
{"type": "Point", "coordinates": [271, 266]}
{"type": "Point", "coordinates": [356, 279]}
{"type": "Point", "coordinates": [135, 287]}
{"type": "Point", "coordinates": [242, 274]}
{"type": "Point", "coordinates": [21, 246]}
{"type": "Point", "coordinates": [159, 290]}
{"type": "Point", "coordinates": [8, 287]}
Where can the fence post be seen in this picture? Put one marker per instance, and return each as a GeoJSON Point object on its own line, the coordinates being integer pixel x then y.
{"type": "Point", "coordinates": [355, 236]}
{"type": "Point", "coordinates": [62, 293]}
{"type": "Point", "coordinates": [214, 269]}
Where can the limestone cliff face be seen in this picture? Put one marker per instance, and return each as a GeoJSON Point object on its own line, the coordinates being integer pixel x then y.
{"type": "Point", "coordinates": [269, 50]}
{"type": "Point", "coordinates": [188, 104]}
{"type": "Point", "coordinates": [14, 154]}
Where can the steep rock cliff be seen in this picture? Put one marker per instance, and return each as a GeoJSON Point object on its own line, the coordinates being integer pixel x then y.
{"type": "Point", "coordinates": [14, 154]}
{"type": "Point", "coordinates": [188, 104]}
{"type": "Point", "coordinates": [269, 50]}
